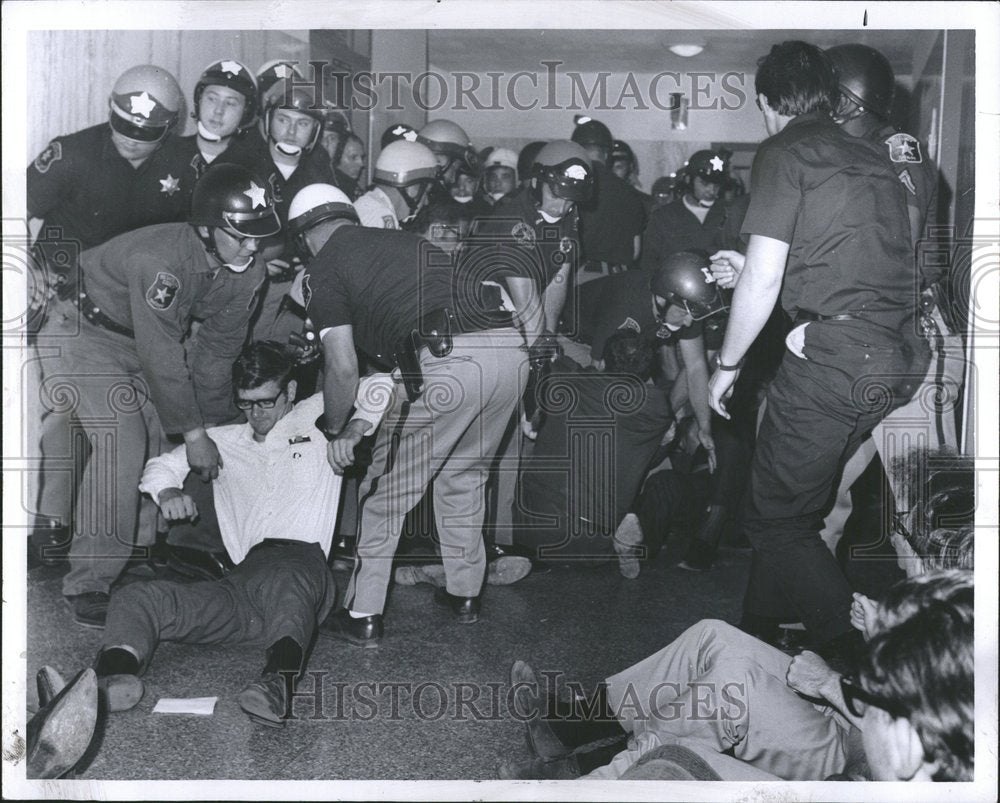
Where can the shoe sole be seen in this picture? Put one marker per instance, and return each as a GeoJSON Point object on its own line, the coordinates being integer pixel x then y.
{"type": "Point", "coordinates": [626, 541]}
{"type": "Point", "coordinates": [92, 624]}
{"type": "Point", "coordinates": [430, 574]}
{"type": "Point", "coordinates": [121, 692]}
{"type": "Point", "coordinates": [507, 570]}
{"type": "Point", "coordinates": [67, 731]}
{"type": "Point", "coordinates": [255, 705]}
{"type": "Point", "coordinates": [348, 639]}
{"type": "Point", "coordinates": [690, 567]}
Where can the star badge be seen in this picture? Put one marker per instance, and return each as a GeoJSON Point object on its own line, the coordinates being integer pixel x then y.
{"type": "Point", "coordinates": [282, 70]}
{"type": "Point", "coordinates": [256, 194]}
{"type": "Point", "coordinates": [717, 163]}
{"type": "Point", "coordinates": [410, 136]}
{"type": "Point", "coordinates": [169, 185]}
{"type": "Point", "coordinates": [142, 104]}
{"type": "Point", "coordinates": [231, 67]}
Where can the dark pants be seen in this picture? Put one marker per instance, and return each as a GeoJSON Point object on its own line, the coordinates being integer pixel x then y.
{"type": "Point", "coordinates": [818, 411]}
{"type": "Point", "coordinates": [280, 589]}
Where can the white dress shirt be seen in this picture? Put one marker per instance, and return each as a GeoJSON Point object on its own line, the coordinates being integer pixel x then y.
{"type": "Point", "coordinates": [282, 487]}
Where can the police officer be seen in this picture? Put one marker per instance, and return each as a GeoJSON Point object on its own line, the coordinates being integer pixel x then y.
{"type": "Point", "coordinates": [499, 176]}
{"type": "Point", "coordinates": [825, 203]}
{"type": "Point", "coordinates": [613, 218]}
{"type": "Point", "coordinates": [396, 132]}
{"type": "Point", "coordinates": [867, 85]}
{"type": "Point", "coordinates": [452, 150]}
{"type": "Point", "coordinates": [390, 295]}
{"type": "Point", "coordinates": [404, 173]}
{"type": "Point", "coordinates": [124, 367]}
{"type": "Point", "coordinates": [692, 222]}
{"type": "Point", "coordinates": [85, 188]}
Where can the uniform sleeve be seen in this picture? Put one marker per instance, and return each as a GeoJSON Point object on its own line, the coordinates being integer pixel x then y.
{"type": "Point", "coordinates": [156, 290]}
{"type": "Point", "coordinates": [217, 344]}
{"type": "Point", "coordinates": [327, 301]}
{"type": "Point", "coordinates": [652, 244]}
{"type": "Point", "coordinates": [50, 179]}
{"type": "Point", "coordinates": [776, 192]}
{"type": "Point", "coordinates": [169, 470]}
{"type": "Point", "coordinates": [375, 394]}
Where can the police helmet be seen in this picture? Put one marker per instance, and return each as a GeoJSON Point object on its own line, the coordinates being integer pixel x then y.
{"type": "Point", "coordinates": [145, 103]}
{"type": "Point", "coordinates": [864, 76]}
{"type": "Point", "coordinates": [450, 139]}
{"type": "Point", "coordinates": [293, 96]}
{"type": "Point", "coordinates": [526, 159]}
{"type": "Point", "coordinates": [711, 166]}
{"type": "Point", "coordinates": [315, 203]}
{"type": "Point", "coordinates": [403, 163]}
{"type": "Point", "coordinates": [232, 197]}
{"type": "Point", "coordinates": [270, 73]}
{"type": "Point", "coordinates": [396, 132]}
{"type": "Point", "coordinates": [501, 157]}
{"type": "Point", "coordinates": [592, 132]}
{"type": "Point", "coordinates": [685, 280]}
{"type": "Point", "coordinates": [565, 167]}
{"type": "Point", "coordinates": [235, 76]}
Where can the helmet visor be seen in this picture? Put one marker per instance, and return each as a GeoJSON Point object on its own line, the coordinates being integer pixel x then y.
{"type": "Point", "coordinates": [253, 224]}
{"type": "Point", "coordinates": [699, 310]}
{"type": "Point", "coordinates": [137, 132]}
{"type": "Point", "coordinates": [571, 189]}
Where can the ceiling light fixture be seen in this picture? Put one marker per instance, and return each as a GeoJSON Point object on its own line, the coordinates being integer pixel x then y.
{"type": "Point", "coordinates": [687, 51]}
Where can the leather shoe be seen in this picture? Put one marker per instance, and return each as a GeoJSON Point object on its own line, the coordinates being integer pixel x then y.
{"type": "Point", "coordinates": [59, 734]}
{"type": "Point", "coordinates": [198, 564]}
{"type": "Point", "coordinates": [362, 632]}
{"type": "Point", "coordinates": [121, 692]}
{"type": "Point", "coordinates": [49, 683]}
{"type": "Point", "coordinates": [89, 609]}
{"type": "Point", "coordinates": [530, 706]}
{"type": "Point", "coordinates": [540, 769]}
{"type": "Point", "coordinates": [699, 557]}
{"type": "Point", "coordinates": [48, 545]}
{"type": "Point", "coordinates": [466, 609]}
{"type": "Point", "coordinates": [506, 566]}
{"type": "Point", "coordinates": [265, 700]}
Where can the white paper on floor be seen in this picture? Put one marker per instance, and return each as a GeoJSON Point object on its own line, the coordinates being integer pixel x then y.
{"type": "Point", "coordinates": [201, 706]}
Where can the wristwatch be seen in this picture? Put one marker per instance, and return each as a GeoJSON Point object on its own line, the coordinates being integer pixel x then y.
{"type": "Point", "coordinates": [723, 367]}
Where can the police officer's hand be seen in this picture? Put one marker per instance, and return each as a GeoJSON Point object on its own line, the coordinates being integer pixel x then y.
{"type": "Point", "coordinates": [727, 267]}
{"type": "Point", "coordinates": [340, 450]}
{"type": "Point", "coordinates": [202, 454]}
{"type": "Point", "coordinates": [863, 611]}
{"type": "Point", "coordinates": [175, 505]}
{"type": "Point", "coordinates": [810, 675]}
{"type": "Point", "coordinates": [283, 268]}
{"type": "Point", "coordinates": [720, 388]}
{"type": "Point", "coordinates": [706, 440]}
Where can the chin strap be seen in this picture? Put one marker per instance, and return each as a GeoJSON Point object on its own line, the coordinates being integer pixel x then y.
{"type": "Point", "coordinates": [205, 134]}
{"type": "Point", "coordinates": [287, 150]}
{"type": "Point", "coordinates": [212, 249]}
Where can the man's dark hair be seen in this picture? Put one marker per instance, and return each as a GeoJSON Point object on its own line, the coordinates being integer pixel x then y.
{"type": "Point", "coordinates": [921, 662]}
{"type": "Point", "coordinates": [448, 213]}
{"type": "Point", "coordinates": [797, 78]}
{"type": "Point", "coordinates": [261, 362]}
{"type": "Point", "coordinates": [626, 352]}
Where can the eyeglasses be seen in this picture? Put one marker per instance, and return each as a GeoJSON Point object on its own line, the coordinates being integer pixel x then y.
{"type": "Point", "coordinates": [857, 699]}
{"type": "Point", "coordinates": [263, 404]}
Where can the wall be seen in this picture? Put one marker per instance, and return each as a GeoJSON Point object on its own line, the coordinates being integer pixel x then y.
{"type": "Point", "coordinates": [75, 70]}
{"type": "Point", "coordinates": [396, 51]}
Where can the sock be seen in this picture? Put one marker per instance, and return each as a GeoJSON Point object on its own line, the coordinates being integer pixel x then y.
{"type": "Point", "coordinates": [116, 661]}
{"type": "Point", "coordinates": [285, 655]}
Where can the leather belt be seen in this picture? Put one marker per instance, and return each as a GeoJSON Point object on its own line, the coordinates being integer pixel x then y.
{"type": "Point", "coordinates": [281, 542]}
{"type": "Point", "coordinates": [805, 315]}
{"type": "Point", "coordinates": [93, 314]}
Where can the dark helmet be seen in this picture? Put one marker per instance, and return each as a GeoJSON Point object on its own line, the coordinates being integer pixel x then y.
{"type": "Point", "coordinates": [145, 103]}
{"type": "Point", "coordinates": [526, 159]}
{"type": "Point", "coordinates": [592, 132]}
{"type": "Point", "coordinates": [396, 132]}
{"type": "Point", "coordinates": [290, 94]}
{"type": "Point", "coordinates": [232, 197]}
{"type": "Point", "coordinates": [708, 165]}
{"type": "Point", "coordinates": [335, 119]}
{"type": "Point", "coordinates": [685, 280]}
{"type": "Point", "coordinates": [620, 151]}
{"type": "Point", "coordinates": [565, 167]}
{"type": "Point", "coordinates": [864, 76]}
{"type": "Point", "coordinates": [270, 73]}
{"type": "Point", "coordinates": [665, 185]}
{"type": "Point", "coordinates": [230, 74]}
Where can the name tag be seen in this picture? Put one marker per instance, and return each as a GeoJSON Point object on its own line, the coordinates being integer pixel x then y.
{"type": "Point", "coordinates": [299, 439]}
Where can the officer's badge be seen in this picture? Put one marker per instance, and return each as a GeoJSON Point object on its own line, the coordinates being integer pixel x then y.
{"type": "Point", "coordinates": [169, 185]}
{"type": "Point", "coordinates": [907, 181]}
{"type": "Point", "coordinates": [630, 323]}
{"type": "Point", "coordinates": [388, 222]}
{"type": "Point", "coordinates": [523, 233]}
{"type": "Point", "coordinates": [565, 245]}
{"type": "Point", "coordinates": [51, 154]}
{"type": "Point", "coordinates": [904, 148]}
{"type": "Point", "coordinates": [161, 293]}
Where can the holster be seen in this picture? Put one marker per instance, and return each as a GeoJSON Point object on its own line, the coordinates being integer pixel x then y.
{"type": "Point", "coordinates": [435, 332]}
{"type": "Point", "coordinates": [408, 363]}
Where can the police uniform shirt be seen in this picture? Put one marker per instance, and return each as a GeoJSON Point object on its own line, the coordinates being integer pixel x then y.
{"type": "Point", "coordinates": [674, 227]}
{"type": "Point", "coordinates": [155, 281]}
{"type": "Point", "coordinates": [611, 219]}
{"type": "Point", "coordinates": [83, 186]}
{"type": "Point", "coordinates": [375, 210]}
{"type": "Point", "coordinates": [381, 283]}
{"type": "Point", "coordinates": [836, 200]}
{"type": "Point", "coordinates": [523, 243]}
{"type": "Point", "coordinates": [623, 301]}
{"type": "Point", "coordinates": [187, 165]}
{"type": "Point", "coordinates": [261, 489]}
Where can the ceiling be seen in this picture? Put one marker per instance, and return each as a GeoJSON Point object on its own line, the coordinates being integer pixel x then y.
{"type": "Point", "coordinates": [640, 50]}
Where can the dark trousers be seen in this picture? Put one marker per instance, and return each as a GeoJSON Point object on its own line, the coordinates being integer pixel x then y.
{"type": "Point", "coordinates": [818, 411]}
{"type": "Point", "coordinates": [280, 589]}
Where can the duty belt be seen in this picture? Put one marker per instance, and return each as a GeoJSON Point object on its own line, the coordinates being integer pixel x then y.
{"type": "Point", "coordinates": [804, 315]}
{"type": "Point", "coordinates": [93, 314]}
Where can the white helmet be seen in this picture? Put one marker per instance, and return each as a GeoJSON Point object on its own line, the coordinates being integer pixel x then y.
{"type": "Point", "coordinates": [315, 203]}
{"type": "Point", "coordinates": [402, 163]}
{"type": "Point", "coordinates": [501, 157]}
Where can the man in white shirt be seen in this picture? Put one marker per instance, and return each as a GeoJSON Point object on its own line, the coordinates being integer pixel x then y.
{"type": "Point", "coordinates": [276, 498]}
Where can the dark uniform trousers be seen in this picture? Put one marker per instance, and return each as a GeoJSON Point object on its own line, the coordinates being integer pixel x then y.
{"type": "Point", "coordinates": [818, 411]}
{"type": "Point", "coordinates": [281, 588]}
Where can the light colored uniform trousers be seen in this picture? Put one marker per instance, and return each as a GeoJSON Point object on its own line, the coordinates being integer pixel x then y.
{"type": "Point", "coordinates": [450, 435]}
{"type": "Point", "coordinates": [927, 421]}
{"type": "Point", "coordinates": [97, 375]}
{"type": "Point", "coordinates": [716, 687]}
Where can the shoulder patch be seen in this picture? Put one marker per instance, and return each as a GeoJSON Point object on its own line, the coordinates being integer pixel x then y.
{"type": "Point", "coordinates": [523, 233]}
{"type": "Point", "coordinates": [904, 148]}
{"type": "Point", "coordinates": [53, 153]}
{"type": "Point", "coordinates": [630, 323]}
{"type": "Point", "coordinates": [162, 292]}
{"type": "Point", "coordinates": [907, 181]}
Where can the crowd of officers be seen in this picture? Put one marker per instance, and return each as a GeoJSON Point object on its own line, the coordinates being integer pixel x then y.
{"type": "Point", "coordinates": [465, 274]}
